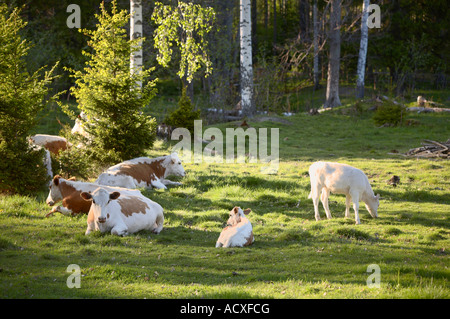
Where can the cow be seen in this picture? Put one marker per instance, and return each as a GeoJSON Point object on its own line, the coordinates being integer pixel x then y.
{"type": "Point", "coordinates": [122, 214]}
{"type": "Point", "coordinates": [239, 230]}
{"type": "Point", "coordinates": [143, 172]}
{"type": "Point", "coordinates": [68, 191]}
{"type": "Point", "coordinates": [339, 178]}
{"type": "Point", "coordinates": [52, 143]}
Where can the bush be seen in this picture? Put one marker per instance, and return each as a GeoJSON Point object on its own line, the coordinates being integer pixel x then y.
{"type": "Point", "coordinates": [109, 94]}
{"type": "Point", "coordinates": [184, 115]}
{"type": "Point", "coordinates": [388, 113]}
{"type": "Point", "coordinates": [22, 96]}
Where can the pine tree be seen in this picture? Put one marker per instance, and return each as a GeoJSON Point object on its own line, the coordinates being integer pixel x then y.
{"type": "Point", "coordinates": [184, 116]}
{"type": "Point", "coordinates": [110, 95]}
{"type": "Point", "coordinates": [22, 96]}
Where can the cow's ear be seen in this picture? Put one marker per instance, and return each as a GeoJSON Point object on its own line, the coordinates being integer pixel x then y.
{"type": "Point", "coordinates": [378, 196]}
{"type": "Point", "coordinates": [86, 196]}
{"type": "Point", "coordinates": [236, 210]}
{"type": "Point", "coordinates": [114, 195]}
{"type": "Point", "coordinates": [246, 211]}
{"type": "Point", "coordinates": [56, 180]}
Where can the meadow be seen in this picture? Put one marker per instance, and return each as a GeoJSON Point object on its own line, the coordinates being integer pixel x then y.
{"type": "Point", "coordinates": [293, 255]}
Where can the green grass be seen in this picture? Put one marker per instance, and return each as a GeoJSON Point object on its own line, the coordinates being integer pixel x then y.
{"type": "Point", "coordinates": [293, 256]}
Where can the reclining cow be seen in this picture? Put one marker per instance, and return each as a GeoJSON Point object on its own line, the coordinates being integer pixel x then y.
{"type": "Point", "coordinates": [239, 230]}
{"type": "Point", "coordinates": [143, 172]}
{"type": "Point", "coordinates": [122, 214]}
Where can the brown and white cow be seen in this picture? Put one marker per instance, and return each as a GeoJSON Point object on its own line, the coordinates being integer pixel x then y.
{"type": "Point", "coordinates": [239, 232]}
{"type": "Point", "coordinates": [53, 143]}
{"type": "Point", "coordinates": [143, 172]}
{"type": "Point", "coordinates": [68, 191]}
{"type": "Point", "coordinates": [122, 214]}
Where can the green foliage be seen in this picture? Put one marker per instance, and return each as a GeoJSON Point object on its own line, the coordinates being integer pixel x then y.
{"type": "Point", "coordinates": [184, 115]}
{"type": "Point", "coordinates": [388, 113]}
{"type": "Point", "coordinates": [109, 93]}
{"type": "Point", "coordinates": [22, 96]}
{"type": "Point", "coordinates": [186, 25]}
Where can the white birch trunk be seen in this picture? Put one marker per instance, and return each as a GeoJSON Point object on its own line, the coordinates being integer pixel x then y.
{"type": "Point", "coordinates": [334, 37]}
{"type": "Point", "coordinates": [316, 45]}
{"type": "Point", "coordinates": [135, 33]}
{"type": "Point", "coordinates": [362, 51]}
{"type": "Point", "coordinates": [246, 65]}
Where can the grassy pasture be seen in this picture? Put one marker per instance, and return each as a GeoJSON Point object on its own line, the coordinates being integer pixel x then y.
{"type": "Point", "coordinates": [293, 256]}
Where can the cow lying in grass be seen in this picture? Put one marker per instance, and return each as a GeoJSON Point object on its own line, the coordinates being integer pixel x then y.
{"type": "Point", "coordinates": [68, 191]}
{"type": "Point", "coordinates": [239, 231]}
{"type": "Point", "coordinates": [122, 214]}
{"type": "Point", "coordinates": [341, 179]}
{"type": "Point", "coordinates": [143, 172]}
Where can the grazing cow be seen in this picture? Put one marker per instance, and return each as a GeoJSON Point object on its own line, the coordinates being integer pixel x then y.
{"type": "Point", "coordinates": [122, 214]}
{"type": "Point", "coordinates": [341, 179]}
{"type": "Point", "coordinates": [143, 172]}
{"type": "Point", "coordinates": [53, 143]}
{"type": "Point", "coordinates": [69, 192]}
{"type": "Point", "coordinates": [239, 231]}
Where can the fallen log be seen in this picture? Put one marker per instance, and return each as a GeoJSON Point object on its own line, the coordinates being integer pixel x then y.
{"type": "Point", "coordinates": [431, 149]}
{"type": "Point", "coordinates": [427, 109]}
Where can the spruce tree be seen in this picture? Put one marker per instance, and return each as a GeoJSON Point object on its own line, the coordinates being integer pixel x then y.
{"type": "Point", "coordinates": [22, 96]}
{"type": "Point", "coordinates": [109, 94]}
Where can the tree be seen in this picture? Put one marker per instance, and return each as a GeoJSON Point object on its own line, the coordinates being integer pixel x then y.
{"type": "Point", "coordinates": [334, 38]}
{"type": "Point", "coordinates": [186, 26]}
{"type": "Point", "coordinates": [246, 58]}
{"type": "Point", "coordinates": [316, 45]}
{"type": "Point", "coordinates": [362, 51]}
{"type": "Point", "coordinates": [22, 96]}
{"type": "Point", "coordinates": [107, 93]}
{"type": "Point", "coordinates": [136, 33]}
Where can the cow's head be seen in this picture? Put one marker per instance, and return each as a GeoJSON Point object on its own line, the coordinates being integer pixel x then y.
{"type": "Point", "coordinates": [174, 166]}
{"type": "Point", "coordinates": [100, 201]}
{"type": "Point", "coordinates": [54, 195]}
{"type": "Point", "coordinates": [236, 214]}
{"type": "Point", "coordinates": [372, 205]}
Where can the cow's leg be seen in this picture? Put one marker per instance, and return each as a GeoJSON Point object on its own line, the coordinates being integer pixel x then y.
{"type": "Point", "coordinates": [355, 200]}
{"type": "Point", "coordinates": [120, 230]}
{"type": "Point", "coordinates": [315, 194]}
{"type": "Point", "coordinates": [324, 199]}
{"type": "Point", "coordinates": [159, 223]}
{"type": "Point", "coordinates": [348, 201]}
{"type": "Point", "coordinates": [157, 184]}
{"type": "Point", "coordinates": [167, 182]}
{"type": "Point", "coordinates": [60, 209]}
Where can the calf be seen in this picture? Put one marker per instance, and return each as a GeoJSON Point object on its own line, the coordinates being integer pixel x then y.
{"type": "Point", "coordinates": [341, 179]}
{"type": "Point", "coordinates": [53, 143]}
{"type": "Point", "coordinates": [143, 172]}
{"type": "Point", "coordinates": [69, 192]}
{"type": "Point", "coordinates": [239, 231]}
{"type": "Point", "coordinates": [122, 214]}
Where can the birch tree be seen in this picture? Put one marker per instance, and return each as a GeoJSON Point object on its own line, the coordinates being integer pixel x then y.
{"type": "Point", "coordinates": [246, 66]}
{"type": "Point", "coordinates": [334, 39]}
{"type": "Point", "coordinates": [136, 33]}
{"type": "Point", "coordinates": [362, 51]}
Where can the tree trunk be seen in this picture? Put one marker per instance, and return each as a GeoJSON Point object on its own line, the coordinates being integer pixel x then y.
{"type": "Point", "coordinates": [274, 24]}
{"type": "Point", "coordinates": [362, 51]}
{"type": "Point", "coordinates": [135, 33]}
{"type": "Point", "coordinates": [334, 38]}
{"type": "Point", "coordinates": [303, 8]}
{"type": "Point", "coordinates": [246, 58]}
{"type": "Point", "coordinates": [316, 45]}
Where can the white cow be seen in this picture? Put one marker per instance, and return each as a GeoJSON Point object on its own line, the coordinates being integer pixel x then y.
{"type": "Point", "coordinates": [143, 172]}
{"type": "Point", "coordinates": [239, 231]}
{"type": "Point", "coordinates": [122, 214]}
{"type": "Point", "coordinates": [339, 178]}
